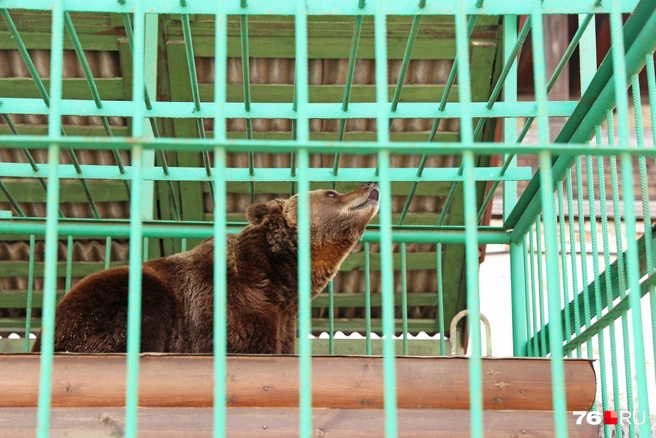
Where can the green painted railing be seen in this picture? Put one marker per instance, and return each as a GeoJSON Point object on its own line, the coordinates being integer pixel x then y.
{"type": "Point", "coordinates": [558, 311]}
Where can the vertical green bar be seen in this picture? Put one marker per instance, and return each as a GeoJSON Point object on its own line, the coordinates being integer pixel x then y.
{"type": "Point", "coordinates": [534, 300]}
{"type": "Point", "coordinates": [440, 300]}
{"type": "Point", "coordinates": [572, 244]}
{"type": "Point", "coordinates": [150, 84]}
{"type": "Point", "coordinates": [563, 258]}
{"type": "Point", "coordinates": [220, 293]}
{"type": "Point", "coordinates": [527, 254]}
{"type": "Point", "coordinates": [387, 285]}
{"type": "Point", "coordinates": [108, 252]}
{"type": "Point", "coordinates": [367, 298]}
{"type": "Point", "coordinates": [404, 297]}
{"type": "Point", "coordinates": [134, 295]}
{"type": "Point", "coordinates": [471, 235]}
{"type": "Point", "coordinates": [69, 263]}
{"type": "Point", "coordinates": [651, 86]}
{"type": "Point", "coordinates": [52, 209]}
{"type": "Point", "coordinates": [30, 290]}
{"type": "Point", "coordinates": [555, 327]}
{"type": "Point", "coordinates": [304, 293]}
{"type": "Point", "coordinates": [136, 230]}
{"type": "Point", "coordinates": [547, 190]}
{"type": "Point", "coordinates": [473, 299]}
{"type": "Point", "coordinates": [517, 252]}
{"type": "Point", "coordinates": [385, 212]}
{"type": "Point", "coordinates": [632, 263]}
{"type": "Point", "coordinates": [304, 251]}
{"type": "Point", "coordinates": [331, 318]}
{"type": "Point", "coordinates": [220, 209]}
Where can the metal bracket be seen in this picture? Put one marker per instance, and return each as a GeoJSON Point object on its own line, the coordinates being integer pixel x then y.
{"type": "Point", "coordinates": [454, 323]}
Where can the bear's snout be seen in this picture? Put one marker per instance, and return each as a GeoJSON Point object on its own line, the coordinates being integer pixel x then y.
{"type": "Point", "coordinates": [373, 190]}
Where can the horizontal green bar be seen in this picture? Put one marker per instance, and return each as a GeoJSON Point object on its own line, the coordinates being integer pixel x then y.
{"type": "Point", "coordinates": [322, 93]}
{"type": "Point", "coordinates": [199, 230]}
{"type": "Point", "coordinates": [409, 110]}
{"type": "Point", "coordinates": [79, 269]}
{"type": "Point", "coordinates": [358, 300]}
{"type": "Point", "coordinates": [122, 131]}
{"type": "Point", "coordinates": [418, 221]}
{"type": "Point", "coordinates": [325, 47]}
{"type": "Point", "coordinates": [30, 190]}
{"type": "Point", "coordinates": [416, 347]}
{"type": "Point", "coordinates": [77, 88]}
{"type": "Point", "coordinates": [334, 7]}
{"type": "Point", "coordinates": [411, 219]}
{"type": "Point", "coordinates": [24, 170]}
{"type": "Point", "coordinates": [323, 147]}
{"type": "Point", "coordinates": [114, 89]}
{"type": "Point", "coordinates": [42, 40]}
{"type": "Point", "coordinates": [17, 299]}
{"type": "Point", "coordinates": [358, 325]}
{"type": "Point", "coordinates": [318, 325]}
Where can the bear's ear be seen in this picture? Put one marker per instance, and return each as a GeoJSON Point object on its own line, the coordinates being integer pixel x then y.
{"type": "Point", "coordinates": [255, 213]}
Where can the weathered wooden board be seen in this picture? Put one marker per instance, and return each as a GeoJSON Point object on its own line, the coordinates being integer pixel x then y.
{"type": "Point", "coordinates": [272, 381]}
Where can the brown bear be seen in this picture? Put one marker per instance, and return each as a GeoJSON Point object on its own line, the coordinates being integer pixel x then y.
{"type": "Point", "coordinates": [262, 295]}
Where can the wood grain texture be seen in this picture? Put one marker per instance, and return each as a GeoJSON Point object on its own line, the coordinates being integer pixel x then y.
{"type": "Point", "coordinates": [272, 381]}
{"type": "Point", "coordinates": [283, 423]}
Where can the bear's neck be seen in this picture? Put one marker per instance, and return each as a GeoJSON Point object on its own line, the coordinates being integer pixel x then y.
{"type": "Point", "coordinates": [326, 260]}
{"type": "Point", "coordinates": [274, 270]}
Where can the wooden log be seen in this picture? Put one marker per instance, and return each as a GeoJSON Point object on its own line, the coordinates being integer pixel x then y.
{"type": "Point", "coordinates": [283, 423]}
{"type": "Point", "coordinates": [272, 381]}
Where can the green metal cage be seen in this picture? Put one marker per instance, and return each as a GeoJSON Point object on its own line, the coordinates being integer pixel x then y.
{"type": "Point", "coordinates": [117, 146]}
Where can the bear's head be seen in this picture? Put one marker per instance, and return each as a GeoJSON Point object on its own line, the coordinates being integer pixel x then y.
{"type": "Point", "coordinates": [337, 221]}
{"type": "Point", "coordinates": [333, 216]}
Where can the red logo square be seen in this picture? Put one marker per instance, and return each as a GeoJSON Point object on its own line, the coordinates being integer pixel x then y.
{"type": "Point", "coordinates": [610, 417]}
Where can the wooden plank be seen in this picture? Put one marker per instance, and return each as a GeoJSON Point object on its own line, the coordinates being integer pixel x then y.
{"type": "Point", "coordinates": [283, 423]}
{"type": "Point", "coordinates": [76, 88]}
{"type": "Point", "coordinates": [272, 381]}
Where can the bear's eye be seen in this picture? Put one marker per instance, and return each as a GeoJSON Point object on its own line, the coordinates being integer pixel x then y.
{"type": "Point", "coordinates": [331, 194]}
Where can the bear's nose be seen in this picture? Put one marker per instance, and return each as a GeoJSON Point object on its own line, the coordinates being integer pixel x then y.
{"type": "Point", "coordinates": [370, 185]}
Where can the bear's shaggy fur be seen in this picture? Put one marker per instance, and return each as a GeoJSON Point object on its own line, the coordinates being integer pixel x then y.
{"type": "Point", "coordinates": [262, 295]}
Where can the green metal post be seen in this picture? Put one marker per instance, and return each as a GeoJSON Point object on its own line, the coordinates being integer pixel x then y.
{"type": "Point", "coordinates": [220, 208]}
{"type": "Point", "coordinates": [517, 280]}
{"type": "Point", "coordinates": [52, 208]}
